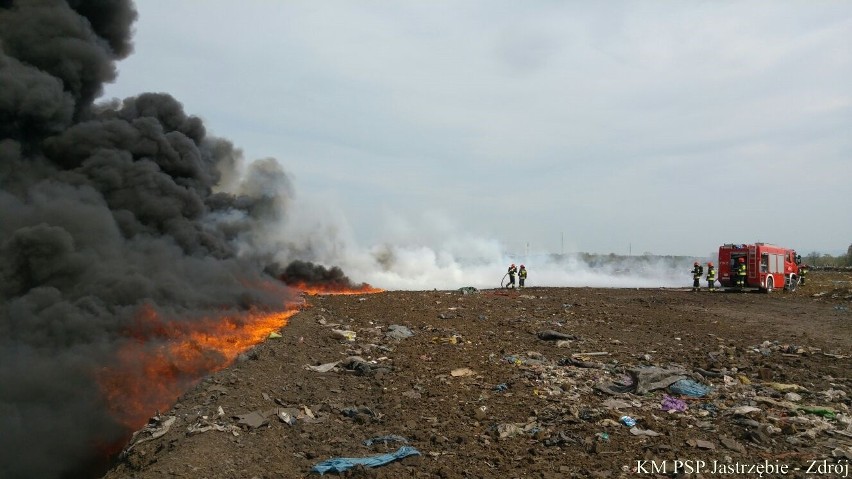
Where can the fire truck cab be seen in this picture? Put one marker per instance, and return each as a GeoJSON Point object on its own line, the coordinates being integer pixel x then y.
{"type": "Point", "coordinates": [767, 266]}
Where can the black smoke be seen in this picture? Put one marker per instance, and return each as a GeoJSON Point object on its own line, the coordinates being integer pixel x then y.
{"type": "Point", "coordinates": [300, 272]}
{"type": "Point", "coordinates": [105, 210]}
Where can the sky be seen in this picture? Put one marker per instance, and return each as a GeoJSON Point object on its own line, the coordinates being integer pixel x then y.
{"type": "Point", "coordinates": [528, 127]}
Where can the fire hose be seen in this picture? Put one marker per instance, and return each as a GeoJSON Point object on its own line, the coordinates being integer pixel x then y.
{"type": "Point", "coordinates": [502, 280]}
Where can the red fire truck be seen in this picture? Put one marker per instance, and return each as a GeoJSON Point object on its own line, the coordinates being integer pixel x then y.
{"type": "Point", "coordinates": [767, 266]}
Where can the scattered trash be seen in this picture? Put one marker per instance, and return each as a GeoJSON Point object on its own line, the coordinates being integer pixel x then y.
{"type": "Point", "coordinates": [780, 387]}
{"type": "Point", "coordinates": [385, 440]}
{"type": "Point", "coordinates": [581, 364]}
{"type": "Point", "coordinates": [342, 464]}
{"type": "Point", "coordinates": [793, 397]}
{"type": "Point", "coordinates": [701, 444]}
{"type": "Point", "coordinates": [481, 412]}
{"type": "Point", "coordinates": [323, 368]}
{"type": "Point", "coordinates": [616, 404]}
{"type": "Point", "coordinates": [744, 410]}
{"type": "Point", "coordinates": [274, 335]}
{"type": "Point", "coordinates": [825, 412]}
{"type": "Point", "coordinates": [550, 335]}
{"type": "Point", "coordinates": [462, 372]}
{"type": "Point", "coordinates": [732, 444]}
{"type": "Point", "coordinates": [637, 431]}
{"type": "Point", "coordinates": [344, 334]}
{"type": "Point", "coordinates": [644, 379]}
{"type": "Point", "coordinates": [454, 339]}
{"type": "Point", "coordinates": [508, 430]}
{"type": "Point", "coordinates": [602, 436]}
{"type": "Point", "coordinates": [671, 404]}
{"type": "Point", "coordinates": [396, 331]}
{"type": "Point", "coordinates": [468, 290]}
{"type": "Point", "coordinates": [204, 425]}
{"type": "Point", "coordinates": [157, 426]}
{"type": "Point", "coordinates": [627, 421]}
{"type": "Point", "coordinates": [688, 387]}
{"type": "Point", "coordinates": [583, 355]}
{"type": "Point", "coordinates": [286, 417]}
{"type": "Point", "coordinates": [253, 420]}
{"type": "Point", "coordinates": [502, 387]}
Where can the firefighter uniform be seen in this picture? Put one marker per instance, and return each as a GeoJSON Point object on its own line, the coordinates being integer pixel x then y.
{"type": "Point", "coordinates": [711, 277]}
{"type": "Point", "coordinates": [522, 275]}
{"type": "Point", "coordinates": [512, 271]}
{"type": "Point", "coordinates": [740, 270]}
{"type": "Point", "coordinates": [803, 274]}
{"type": "Point", "coordinates": [697, 272]}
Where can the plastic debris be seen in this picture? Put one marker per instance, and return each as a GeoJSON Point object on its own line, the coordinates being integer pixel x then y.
{"type": "Point", "coordinates": [157, 426]}
{"type": "Point", "coordinates": [341, 464]}
{"type": "Point", "coordinates": [825, 412]}
{"type": "Point", "coordinates": [323, 368]}
{"type": "Point", "coordinates": [551, 335]}
{"type": "Point", "coordinates": [397, 331]}
{"type": "Point", "coordinates": [502, 387]}
{"type": "Point", "coordinates": [701, 444]}
{"type": "Point", "coordinates": [627, 421]}
{"type": "Point", "coordinates": [644, 379]}
{"type": "Point", "coordinates": [252, 420]}
{"type": "Point", "coordinates": [468, 290]}
{"type": "Point", "coordinates": [688, 387]}
{"type": "Point", "coordinates": [344, 334]}
{"type": "Point", "coordinates": [637, 431]}
{"type": "Point", "coordinates": [671, 404]}
{"type": "Point", "coordinates": [781, 387]}
{"type": "Point", "coordinates": [385, 440]}
{"type": "Point", "coordinates": [462, 372]}
{"type": "Point", "coordinates": [744, 410]}
{"type": "Point", "coordinates": [274, 335]}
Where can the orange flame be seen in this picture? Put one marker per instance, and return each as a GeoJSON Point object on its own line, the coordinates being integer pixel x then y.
{"type": "Point", "coordinates": [161, 359]}
{"type": "Point", "coordinates": [334, 288]}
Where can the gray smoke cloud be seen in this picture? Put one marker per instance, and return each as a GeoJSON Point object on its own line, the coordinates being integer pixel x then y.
{"type": "Point", "coordinates": [106, 210]}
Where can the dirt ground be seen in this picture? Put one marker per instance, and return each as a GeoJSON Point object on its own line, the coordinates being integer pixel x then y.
{"type": "Point", "coordinates": [479, 394]}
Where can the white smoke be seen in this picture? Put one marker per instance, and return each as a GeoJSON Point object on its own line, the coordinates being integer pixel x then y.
{"type": "Point", "coordinates": [436, 253]}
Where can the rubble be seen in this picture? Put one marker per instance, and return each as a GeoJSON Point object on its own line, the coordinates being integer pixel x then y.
{"type": "Point", "coordinates": [492, 398]}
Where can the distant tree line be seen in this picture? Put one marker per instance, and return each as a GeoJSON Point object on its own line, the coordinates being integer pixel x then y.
{"type": "Point", "coordinates": [822, 260]}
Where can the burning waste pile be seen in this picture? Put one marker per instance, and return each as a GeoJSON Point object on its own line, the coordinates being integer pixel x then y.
{"type": "Point", "coordinates": [132, 243]}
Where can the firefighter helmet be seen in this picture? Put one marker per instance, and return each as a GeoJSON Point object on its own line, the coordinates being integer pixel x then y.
{"type": "Point", "coordinates": [513, 264]}
{"type": "Point", "coordinates": [522, 266]}
{"type": "Point", "coordinates": [709, 263]}
{"type": "Point", "coordinates": [742, 260]}
{"type": "Point", "coordinates": [695, 264]}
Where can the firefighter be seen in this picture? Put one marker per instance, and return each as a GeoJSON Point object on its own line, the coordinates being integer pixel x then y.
{"type": "Point", "coordinates": [522, 275]}
{"type": "Point", "coordinates": [697, 271]}
{"type": "Point", "coordinates": [740, 271]}
{"type": "Point", "coordinates": [512, 271]}
{"type": "Point", "coordinates": [803, 273]}
{"type": "Point", "coordinates": [711, 276]}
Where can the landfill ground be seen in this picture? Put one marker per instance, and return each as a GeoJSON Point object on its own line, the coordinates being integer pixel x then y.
{"type": "Point", "coordinates": [479, 394]}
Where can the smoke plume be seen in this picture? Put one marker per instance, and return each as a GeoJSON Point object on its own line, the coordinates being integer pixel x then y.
{"type": "Point", "coordinates": [107, 211]}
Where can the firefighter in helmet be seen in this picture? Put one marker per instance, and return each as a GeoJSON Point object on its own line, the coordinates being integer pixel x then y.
{"type": "Point", "coordinates": [522, 275]}
{"type": "Point", "coordinates": [711, 276]}
{"type": "Point", "coordinates": [512, 271]}
{"type": "Point", "coordinates": [697, 271]}
{"type": "Point", "coordinates": [740, 271]}
{"type": "Point", "coordinates": [803, 273]}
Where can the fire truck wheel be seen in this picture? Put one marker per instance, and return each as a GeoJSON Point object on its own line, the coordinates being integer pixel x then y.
{"type": "Point", "coordinates": [770, 284]}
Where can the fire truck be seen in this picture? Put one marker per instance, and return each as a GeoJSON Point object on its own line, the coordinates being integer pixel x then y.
{"type": "Point", "coordinates": [767, 266]}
